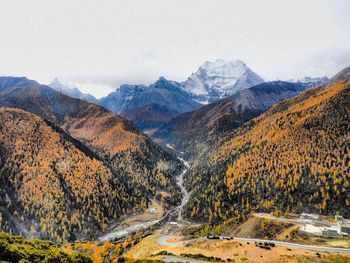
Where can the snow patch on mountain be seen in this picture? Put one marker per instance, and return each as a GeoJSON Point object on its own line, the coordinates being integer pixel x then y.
{"type": "Point", "coordinates": [220, 79]}
{"type": "Point", "coordinates": [222, 68]}
{"type": "Point", "coordinates": [312, 81]}
{"type": "Point", "coordinates": [71, 90]}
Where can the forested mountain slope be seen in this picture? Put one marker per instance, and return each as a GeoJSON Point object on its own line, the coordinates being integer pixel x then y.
{"type": "Point", "coordinates": [132, 159]}
{"type": "Point", "coordinates": [52, 186]}
{"type": "Point", "coordinates": [111, 137]}
{"type": "Point", "coordinates": [193, 132]}
{"type": "Point", "coordinates": [294, 157]}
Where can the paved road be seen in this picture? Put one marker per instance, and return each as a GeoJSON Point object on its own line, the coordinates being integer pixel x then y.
{"type": "Point", "coordinates": [162, 240]}
{"type": "Point", "coordinates": [182, 259]}
{"type": "Point", "coordinates": [289, 244]}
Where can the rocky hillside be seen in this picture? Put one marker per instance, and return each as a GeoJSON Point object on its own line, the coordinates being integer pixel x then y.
{"type": "Point", "coordinates": [150, 116]}
{"type": "Point", "coordinates": [294, 157]}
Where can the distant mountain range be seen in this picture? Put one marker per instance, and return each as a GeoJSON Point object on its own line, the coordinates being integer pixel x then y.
{"type": "Point", "coordinates": [163, 92]}
{"type": "Point", "coordinates": [313, 81]}
{"type": "Point", "coordinates": [130, 101]}
{"type": "Point", "coordinates": [150, 107]}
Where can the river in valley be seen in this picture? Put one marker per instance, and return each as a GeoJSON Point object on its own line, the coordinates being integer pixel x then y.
{"type": "Point", "coordinates": [185, 193]}
{"type": "Point", "coordinates": [142, 226]}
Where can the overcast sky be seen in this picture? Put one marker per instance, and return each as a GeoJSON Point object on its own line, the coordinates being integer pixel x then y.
{"type": "Point", "coordinates": [101, 44]}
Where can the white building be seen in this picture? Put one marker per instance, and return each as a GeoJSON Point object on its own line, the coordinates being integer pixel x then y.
{"type": "Point", "coordinates": [312, 225]}
{"type": "Point", "coordinates": [343, 226]}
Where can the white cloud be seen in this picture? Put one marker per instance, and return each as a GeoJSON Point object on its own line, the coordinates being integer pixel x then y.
{"type": "Point", "coordinates": [111, 42]}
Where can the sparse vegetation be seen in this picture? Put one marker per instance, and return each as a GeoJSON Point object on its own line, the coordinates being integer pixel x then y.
{"type": "Point", "coordinates": [164, 253]}
{"type": "Point", "coordinates": [265, 245]}
{"type": "Point", "coordinates": [202, 257]}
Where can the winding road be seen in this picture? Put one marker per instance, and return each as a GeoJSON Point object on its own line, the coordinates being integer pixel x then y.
{"type": "Point", "coordinates": [182, 259]}
{"type": "Point", "coordinates": [289, 244]}
{"type": "Point", "coordinates": [163, 240]}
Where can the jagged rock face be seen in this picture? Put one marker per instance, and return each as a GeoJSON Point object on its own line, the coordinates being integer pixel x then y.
{"type": "Point", "coordinates": [123, 98]}
{"type": "Point", "coordinates": [220, 79]}
{"type": "Point", "coordinates": [163, 92]}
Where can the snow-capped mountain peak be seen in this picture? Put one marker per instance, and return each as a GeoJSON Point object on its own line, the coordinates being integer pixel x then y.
{"type": "Point", "coordinates": [220, 79]}
{"type": "Point", "coordinates": [222, 68]}
{"type": "Point", "coordinates": [71, 90]}
{"type": "Point", "coordinates": [316, 80]}
{"type": "Point", "coordinates": [63, 86]}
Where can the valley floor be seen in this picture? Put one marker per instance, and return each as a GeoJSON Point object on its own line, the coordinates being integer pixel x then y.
{"type": "Point", "coordinates": [199, 249]}
{"type": "Point", "coordinates": [261, 238]}
{"type": "Point", "coordinates": [181, 242]}
{"type": "Point", "coordinates": [155, 214]}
